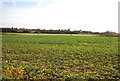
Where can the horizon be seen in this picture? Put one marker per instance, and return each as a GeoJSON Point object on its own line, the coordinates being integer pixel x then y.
{"type": "Point", "coordinates": [57, 29]}
{"type": "Point", "coordinates": [96, 16]}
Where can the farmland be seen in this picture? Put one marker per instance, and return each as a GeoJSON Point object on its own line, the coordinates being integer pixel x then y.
{"type": "Point", "coordinates": [59, 57]}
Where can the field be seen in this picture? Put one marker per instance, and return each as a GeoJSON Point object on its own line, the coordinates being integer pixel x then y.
{"type": "Point", "coordinates": [59, 57]}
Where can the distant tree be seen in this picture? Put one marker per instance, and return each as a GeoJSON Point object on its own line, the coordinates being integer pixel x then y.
{"type": "Point", "coordinates": [38, 31]}
{"type": "Point", "coordinates": [110, 31]}
{"type": "Point", "coordinates": [68, 29]}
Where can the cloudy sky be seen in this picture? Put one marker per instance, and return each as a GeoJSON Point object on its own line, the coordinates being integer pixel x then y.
{"type": "Point", "coordinates": [91, 15]}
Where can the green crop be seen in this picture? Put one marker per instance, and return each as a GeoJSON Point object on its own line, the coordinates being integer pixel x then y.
{"type": "Point", "coordinates": [59, 57]}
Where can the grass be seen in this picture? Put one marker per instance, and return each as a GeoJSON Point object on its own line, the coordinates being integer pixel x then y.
{"type": "Point", "coordinates": [49, 34]}
{"type": "Point", "coordinates": [59, 57]}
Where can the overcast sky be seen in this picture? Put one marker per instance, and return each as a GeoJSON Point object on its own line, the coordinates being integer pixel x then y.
{"type": "Point", "coordinates": [91, 15]}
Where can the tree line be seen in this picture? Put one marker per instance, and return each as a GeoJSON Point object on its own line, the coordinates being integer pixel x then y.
{"type": "Point", "coordinates": [59, 31]}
